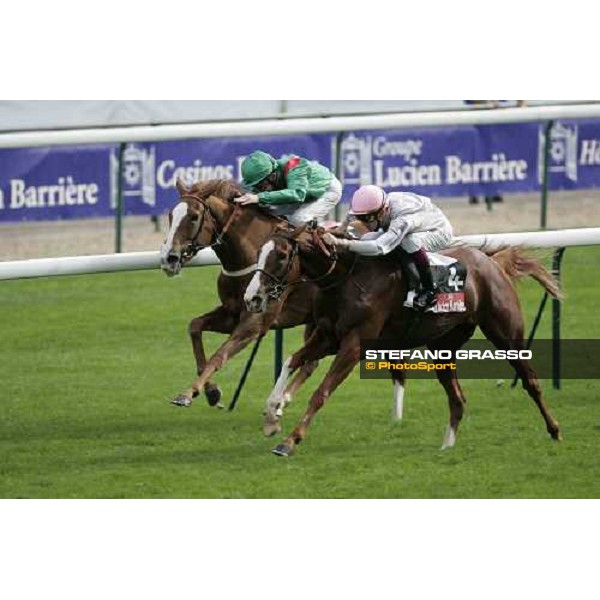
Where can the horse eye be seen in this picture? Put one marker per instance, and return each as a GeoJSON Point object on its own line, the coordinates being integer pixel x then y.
{"type": "Point", "coordinates": [194, 218]}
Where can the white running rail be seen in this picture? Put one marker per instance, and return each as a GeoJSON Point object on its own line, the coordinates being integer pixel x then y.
{"type": "Point", "coordinates": [135, 261]}
{"type": "Point", "coordinates": [155, 133]}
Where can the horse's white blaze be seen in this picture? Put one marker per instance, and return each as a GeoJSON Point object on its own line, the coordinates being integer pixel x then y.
{"type": "Point", "coordinates": [254, 284]}
{"type": "Point", "coordinates": [179, 213]}
{"type": "Point", "coordinates": [449, 438]}
{"type": "Point", "coordinates": [276, 397]}
{"type": "Point", "coordinates": [398, 407]}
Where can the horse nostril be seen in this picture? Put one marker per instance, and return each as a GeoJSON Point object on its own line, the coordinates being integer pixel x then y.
{"type": "Point", "coordinates": [172, 259]}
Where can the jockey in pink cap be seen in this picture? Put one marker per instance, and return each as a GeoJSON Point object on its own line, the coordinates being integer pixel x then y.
{"type": "Point", "coordinates": [399, 219]}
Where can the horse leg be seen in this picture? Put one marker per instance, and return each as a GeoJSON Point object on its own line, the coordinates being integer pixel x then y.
{"type": "Point", "coordinates": [509, 336]}
{"type": "Point", "coordinates": [532, 385]}
{"type": "Point", "coordinates": [219, 320]}
{"type": "Point", "coordinates": [449, 380]}
{"type": "Point", "coordinates": [306, 370]}
{"type": "Point", "coordinates": [274, 405]}
{"type": "Point", "coordinates": [318, 346]}
{"type": "Point", "coordinates": [460, 391]}
{"type": "Point", "coordinates": [399, 379]}
{"type": "Point", "coordinates": [345, 360]}
{"type": "Point", "coordinates": [247, 329]}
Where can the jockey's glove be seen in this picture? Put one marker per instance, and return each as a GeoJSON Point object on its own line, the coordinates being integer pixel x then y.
{"type": "Point", "coordinates": [331, 240]}
{"type": "Point", "coordinates": [247, 199]}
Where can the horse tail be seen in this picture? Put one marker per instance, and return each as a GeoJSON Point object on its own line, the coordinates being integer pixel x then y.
{"type": "Point", "coordinates": [517, 264]}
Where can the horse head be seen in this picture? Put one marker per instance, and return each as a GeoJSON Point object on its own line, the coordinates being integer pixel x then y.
{"type": "Point", "coordinates": [199, 220]}
{"type": "Point", "coordinates": [279, 265]}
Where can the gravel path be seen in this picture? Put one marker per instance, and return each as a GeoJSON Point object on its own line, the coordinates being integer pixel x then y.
{"type": "Point", "coordinates": [519, 212]}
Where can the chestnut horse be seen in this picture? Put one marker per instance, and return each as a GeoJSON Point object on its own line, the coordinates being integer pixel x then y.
{"type": "Point", "coordinates": [206, 216]}
{"type": "Point", "coordinates": [365, 300]}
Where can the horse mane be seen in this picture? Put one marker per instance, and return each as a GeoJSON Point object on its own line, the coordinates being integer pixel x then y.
{"type": "Point", "coordinates": [228, 189]}
{"type": "Point", "coordinates": [310, 240]}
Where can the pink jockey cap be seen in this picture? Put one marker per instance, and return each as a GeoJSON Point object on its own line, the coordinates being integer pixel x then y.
{"type": "Point", "coordinates": [367, 199]}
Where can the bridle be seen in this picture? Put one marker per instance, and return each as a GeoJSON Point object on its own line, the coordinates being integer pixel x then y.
{"type": "Point", "coordinates": [277, 290]}
{"type": "Point", "coordinates": [217, 236]}
{"type": "Point", "coordinates": [280, 286]}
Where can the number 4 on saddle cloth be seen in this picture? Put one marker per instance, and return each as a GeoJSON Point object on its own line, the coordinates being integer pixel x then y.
{"type": "Point", "coordinates": [449, 277]}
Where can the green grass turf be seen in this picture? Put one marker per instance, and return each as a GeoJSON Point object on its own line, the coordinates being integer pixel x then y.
{"type": "Point", "coordinates": [88, 365]}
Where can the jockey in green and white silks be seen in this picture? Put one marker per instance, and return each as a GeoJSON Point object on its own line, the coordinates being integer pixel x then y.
{"type": "Point", "coordinates": [400, 219]}
{"type": "Point", "coordinates": [294, 187]}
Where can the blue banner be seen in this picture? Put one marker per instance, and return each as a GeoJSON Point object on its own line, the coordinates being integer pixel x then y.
{"type": "Point", "coordinates": [41, 184]}
{"type": "Point", "coordinates": [574, 155]}
{"type": "Point", "coordinates": [473, 160]}
{"type": "Point", "coordinates": [81, 181]}
{"type": "Point", "coordinates": [458, 161]}
{"type": "Point", "coordinates": [151, 170]}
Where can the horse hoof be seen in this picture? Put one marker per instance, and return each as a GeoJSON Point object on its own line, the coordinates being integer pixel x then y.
{"type": "Point", "coordinates": [182, 401]}
{"type": "Point", "coordinates": [213, 397]}
{"type": "Point", "coordinates": [282, 450]}
{"type": "Point", "coordinates": [554, 432]}
{"type": "Point", "coordinates": [271, 428]}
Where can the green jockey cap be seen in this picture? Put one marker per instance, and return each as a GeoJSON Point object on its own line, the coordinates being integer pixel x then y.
{"type": "Point", "coordinates": [256, 167]}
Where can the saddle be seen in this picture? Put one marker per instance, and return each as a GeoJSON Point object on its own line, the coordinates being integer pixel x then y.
{"type": "Point", "coordinates": [449, 277]}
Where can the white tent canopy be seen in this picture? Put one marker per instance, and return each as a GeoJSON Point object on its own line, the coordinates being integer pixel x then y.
{"type": "Point", "coordinates": [21, 115]}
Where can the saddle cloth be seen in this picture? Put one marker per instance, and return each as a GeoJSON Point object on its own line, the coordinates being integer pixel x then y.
{"type": "Point", "coordinates": [449, 276]}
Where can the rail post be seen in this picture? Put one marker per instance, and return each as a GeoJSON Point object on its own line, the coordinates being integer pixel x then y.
{"type": "Point", "coordinates": [278, 352]}
{"type": "Point", "coordinates": [545, 176]}
{"type": "Point", "coordinates": [337, 169]}
{"type": "Point", "coordinates": [556, 265]}
{"type": "Point", "coordinates": [119, 203]}
{"type": "Point", "coordinates": [240, 387]}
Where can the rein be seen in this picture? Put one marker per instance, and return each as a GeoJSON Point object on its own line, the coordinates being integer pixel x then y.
{"type": "Point", "coordinates": [280, 286]}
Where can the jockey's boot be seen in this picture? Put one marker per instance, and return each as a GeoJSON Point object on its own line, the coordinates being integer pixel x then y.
{"type": "Point", "coordinates": [426, 297]}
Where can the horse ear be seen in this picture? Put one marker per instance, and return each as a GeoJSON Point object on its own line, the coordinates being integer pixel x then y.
{"type": "Point", "coordinates": [233, 191]}
{"type": "Point", "coordinates": [181, 187]}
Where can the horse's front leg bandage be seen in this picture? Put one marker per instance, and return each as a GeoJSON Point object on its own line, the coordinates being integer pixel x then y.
{"type": "Point", "coordinates": [275, 401]}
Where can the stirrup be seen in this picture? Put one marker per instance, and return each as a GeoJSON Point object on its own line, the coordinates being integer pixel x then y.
{"type": "Point", "coordinates": [425, 299]}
